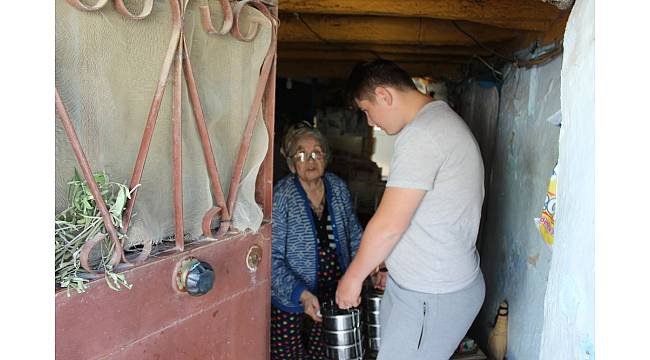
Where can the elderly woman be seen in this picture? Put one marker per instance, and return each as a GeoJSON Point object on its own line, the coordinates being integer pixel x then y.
{"type": "Point", "coordinates": [315, 235]}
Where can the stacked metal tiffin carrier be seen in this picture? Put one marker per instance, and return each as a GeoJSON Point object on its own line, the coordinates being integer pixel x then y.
{"type": "Point", "coordinates": [342, 332]}
{"type": "Point", "coordinates": [370, 317]}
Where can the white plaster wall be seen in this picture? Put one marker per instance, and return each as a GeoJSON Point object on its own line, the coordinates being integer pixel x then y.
{"type": "Point", "coordinates": [568, 331]}
{"type": "Point", "coordinates": [383, 153]}
{"type": "Point", "coordinates": [514, 258]}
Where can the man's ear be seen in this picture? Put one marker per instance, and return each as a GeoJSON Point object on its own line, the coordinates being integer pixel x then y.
{"type": "Point", "coordinates": [384, 95]}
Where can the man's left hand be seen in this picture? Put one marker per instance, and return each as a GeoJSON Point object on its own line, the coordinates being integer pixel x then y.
{"type": "Point", "coordinates": [348, 292]}
{"type": "Point", "coordinates": [379, 279]}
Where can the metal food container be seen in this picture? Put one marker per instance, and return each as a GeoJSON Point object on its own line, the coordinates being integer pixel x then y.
{"type": "Point", "coordinates": [371, 317]}
{"type": "Point", "coordinates": [373, 343]}
{"type": "Point", "coordinates": [372, 331]}
{"type": "Point", "coordinates": [372, 300]}
{"type": "Point", "coordinates": [335, 319]}
{"type": "Point", "coordinates": [341, 332]}
{"type": "Point", "coordinates": [342, 337]}
{"type": "Point", "coordinates": [346, 352]}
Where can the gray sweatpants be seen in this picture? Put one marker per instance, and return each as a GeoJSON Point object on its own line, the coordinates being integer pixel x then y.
{"type": "Point", "coordinates": [417, 325]}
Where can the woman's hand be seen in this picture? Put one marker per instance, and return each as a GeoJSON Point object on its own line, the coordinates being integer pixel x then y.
{"type": "Point", "coordinates": [311, 304]}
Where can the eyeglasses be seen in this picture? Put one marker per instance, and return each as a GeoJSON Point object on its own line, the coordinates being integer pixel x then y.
{"type": "Point", "coordinates": [303, 156]}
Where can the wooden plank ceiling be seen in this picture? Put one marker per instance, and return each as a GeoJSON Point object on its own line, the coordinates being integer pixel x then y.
{"type": "Point", "coordinates": [325, 38]}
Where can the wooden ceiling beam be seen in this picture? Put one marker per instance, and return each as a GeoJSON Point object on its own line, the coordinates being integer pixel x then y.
{"type": "Point", "coordinates": [389, 49]}
{"type": "Point", "coordinates": [360, 55]}
{"type": "Point", "coordinates": [554, 35]}
{"type": "Point", "coordinates": [386, 30]}
{"type": "Point", "coordinates": [333, 69]}
{"type": "Point", "coordinates": [532, 15]}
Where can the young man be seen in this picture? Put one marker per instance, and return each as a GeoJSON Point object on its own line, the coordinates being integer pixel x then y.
{"type": "Point", "coordinates": [427, 222]}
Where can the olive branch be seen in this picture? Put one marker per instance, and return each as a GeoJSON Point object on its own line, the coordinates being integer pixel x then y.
{"type": "Point", "coordinates": [82, 221]}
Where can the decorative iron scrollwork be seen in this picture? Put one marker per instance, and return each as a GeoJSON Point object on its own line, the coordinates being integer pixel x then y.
{"type": "Point", "coordinates": [228, 18]}
{"type": "Point", "coordinates": [146, 9]}
{"type": "Point", "coordinates": [177, 55]}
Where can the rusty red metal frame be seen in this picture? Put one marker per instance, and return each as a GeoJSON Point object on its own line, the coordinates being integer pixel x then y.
{"type": "Point", "coordinates": [153, 112]}
{"type": "Point", "coordinates": [257, 100]}
{"type": "Point", "coordinates": [178, 56]}
{"type": "Point", "coordinates": [90, 179]}
{"type": "Point", "coordinates": [213, 173]}
{"type": "Point", "coordinates": [264, 183]}
{"type": "Point", "coordinates": [211, 163]}
{"type": "Point", "coordinates": [177, 159]}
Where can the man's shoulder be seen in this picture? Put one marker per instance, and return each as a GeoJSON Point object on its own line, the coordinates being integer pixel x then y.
{"type": "Point", "coordinates": [443, 123]}
{"type": "Point", "coordinates": [438, 113]}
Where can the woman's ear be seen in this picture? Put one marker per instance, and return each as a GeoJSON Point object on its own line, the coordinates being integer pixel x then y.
{"type": "Point", "coordinates": [292, 167]}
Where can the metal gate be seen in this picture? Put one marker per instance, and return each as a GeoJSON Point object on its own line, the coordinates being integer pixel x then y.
{"type": "Point", "coordinates": [156, 319]}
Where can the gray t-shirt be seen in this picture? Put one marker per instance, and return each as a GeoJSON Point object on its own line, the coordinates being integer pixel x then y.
{"type": "Point", "coordinates": [437, 152]}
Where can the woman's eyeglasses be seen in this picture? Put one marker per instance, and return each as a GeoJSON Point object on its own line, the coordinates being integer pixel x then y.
{"type": "Point", "coordinates": [303, 156]}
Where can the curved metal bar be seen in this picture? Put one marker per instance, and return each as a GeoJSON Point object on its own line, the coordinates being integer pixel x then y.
{"type": "Point", "coordinates": [146, 9]}
{"type": "Point", "coordinates": [206, 20]}
{"type": "Point", "coordinates": [264, 183]}
{"type": "Point", "coordinates": [177, 146]}
{"type": "Point", "coordinates": [153, 112]}
{"type": "Point", "coordinates": [83, 7]}
{"type": "Point", "coordinates": [255, 106]}
{"type": "Point", "coordinates": [206, 224]}
{"type": "Point", "coordinates": [208, 154]}
{"type": "Point", "coordinates": [254, 26]}
{"type": "Point", "coordinates": [86, 249]}
{"type": "Point", "coordinates": [140, 258]}
{"type": "Point", "coordinates": [178, 49]}
{"type": "Point", "coordinates": [88, 175]}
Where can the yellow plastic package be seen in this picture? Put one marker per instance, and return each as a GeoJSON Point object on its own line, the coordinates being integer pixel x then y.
{"type": "Point", "coordinates": [546, 222]}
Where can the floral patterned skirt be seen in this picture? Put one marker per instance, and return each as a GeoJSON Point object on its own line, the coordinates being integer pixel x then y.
{"type": "Point", "coordinates": [290, 338]}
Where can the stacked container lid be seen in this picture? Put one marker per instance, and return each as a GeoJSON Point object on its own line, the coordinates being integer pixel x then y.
{"type": "Point", "coordinates": [371, 326]}
{"type": "Point", "coordinates": [341, 332]}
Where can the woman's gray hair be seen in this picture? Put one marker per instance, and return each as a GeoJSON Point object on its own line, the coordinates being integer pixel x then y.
{"type": "Point", "coordinates": [297, 132]}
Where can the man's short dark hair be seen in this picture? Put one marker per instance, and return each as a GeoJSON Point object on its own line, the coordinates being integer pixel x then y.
{"type": "Point", "coordinates": [366, 76]}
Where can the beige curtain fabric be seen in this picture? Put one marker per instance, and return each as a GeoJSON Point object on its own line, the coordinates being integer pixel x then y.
{"type": "Point", "coordinates": [107, 69]}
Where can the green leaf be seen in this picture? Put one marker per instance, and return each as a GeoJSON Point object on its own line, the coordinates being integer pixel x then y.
{"type": "Point", "coordinates": [75, 176]}
{"type": "Point", "coordinates": [100, 178]}
{"type": "Point", "coordinates": [80, 222]}
{"type": "Point", "coordinates": [116, 209]}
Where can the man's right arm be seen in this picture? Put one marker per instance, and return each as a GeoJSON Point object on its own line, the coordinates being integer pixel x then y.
{"type": "Point", "coordinates": [382, 233]}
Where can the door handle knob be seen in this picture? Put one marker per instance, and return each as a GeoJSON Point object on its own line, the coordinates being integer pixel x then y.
{"type": "Point", "coordinates": [194, 276]}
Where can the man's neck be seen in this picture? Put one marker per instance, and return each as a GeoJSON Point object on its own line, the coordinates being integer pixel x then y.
{"type": "Point", "coordinates": [413, 102]}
